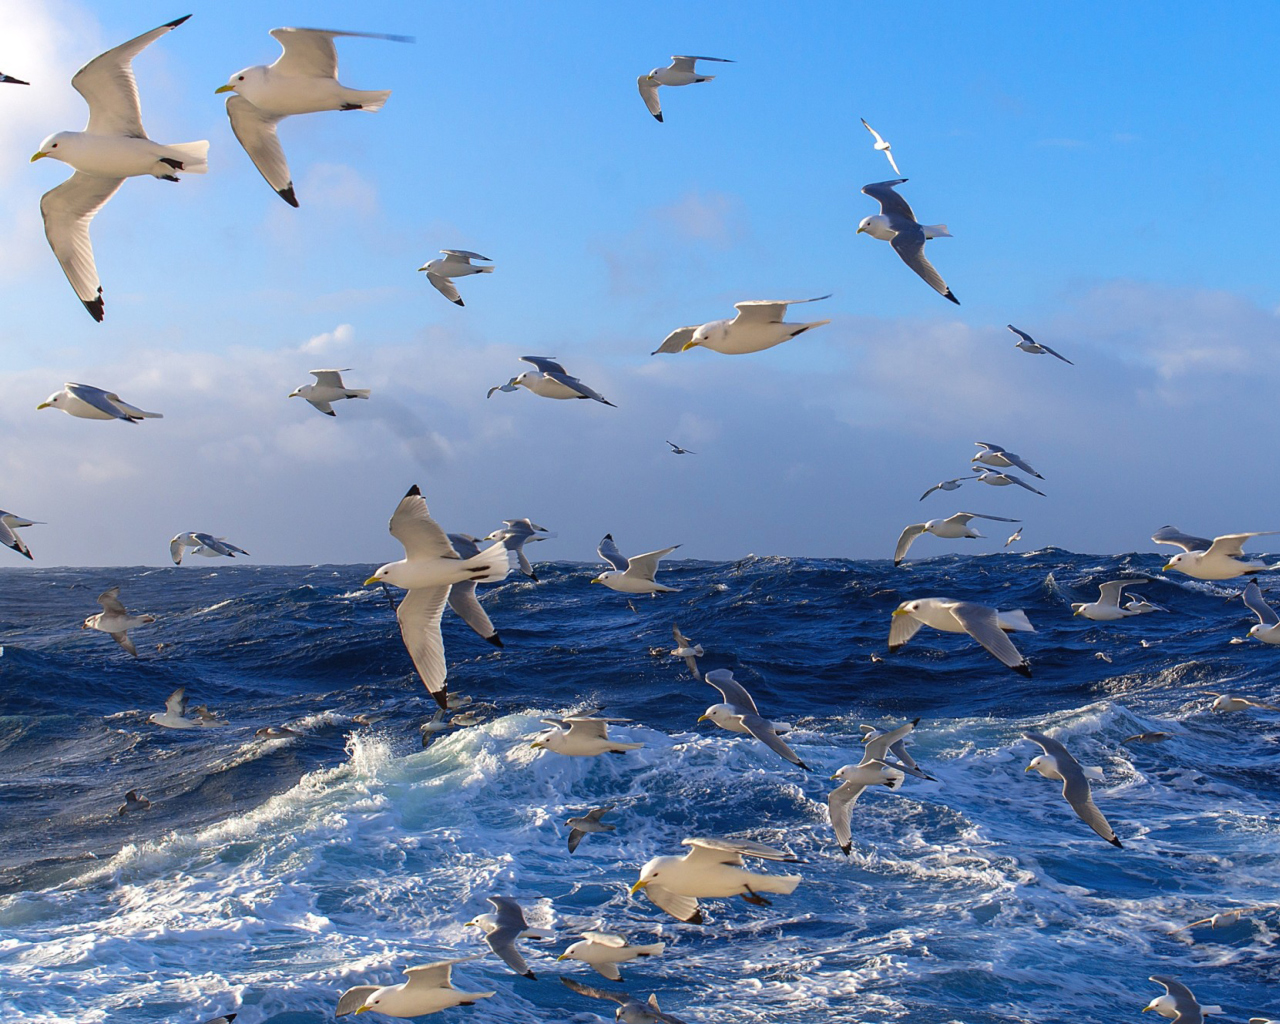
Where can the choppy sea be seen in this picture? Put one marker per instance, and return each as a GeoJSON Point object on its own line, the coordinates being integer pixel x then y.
{"type": "Point", "coordinates": [270, 874]}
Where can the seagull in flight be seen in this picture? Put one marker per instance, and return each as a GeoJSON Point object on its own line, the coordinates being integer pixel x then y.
{"type": "Point", "coordinates": [1036, 348]}
{"type": "Point", "coordinates": [677, 450]}
{"type": "Point", "coordinates": [881, 146]}
{"type": "Point", "coordinates": [682, 71]}
{"type": "Point", "coordinates": [897, 225]}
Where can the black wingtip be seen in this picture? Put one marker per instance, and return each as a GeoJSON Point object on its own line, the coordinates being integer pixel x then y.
{"type": "Point", "coordinates": [534, 576]}
{"type": "Point", "coordinates": [95, 307]}
{"type": "Point", "coordinates": [948, 295]}
{"type": "Point", "coordinates": [915, 722]}
{"type": "Point", "coordinates": [897, 562]}
{"type": "Point", "coordinates": [801, 764]}
{"type": "Point", "coordinates": [442, 698]}
{"type": "Point", "coordinates": [330, 413]}
{"type": "Point", "coordinates": [457, 302]}
{"type": "Point", "coordinates": [847, 848]}
{"type": "Point", "coordinates": [495, 640]}
{"type": "Point", "coordinates": [175, 24]}
{"type": "Point", "coordinates": [287, 195]}
{"type": "Point", "coordinates": [10, 80]}
{"type": "Point", "coordinates": [1023, 670]}
{"type": "Point", "coordinates": [893, 648]}
{"type": "Point", "coordinates": [695, 919]}
{"type": "Point", "coordinates": [530, 975]}
{"type": "Point", "coordinates": [413, 492]}
{"type": "Point", "coordinates": [658, 117]}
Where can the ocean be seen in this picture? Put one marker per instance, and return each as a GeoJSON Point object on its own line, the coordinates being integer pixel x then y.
{"type": "Point", "coordinates": [270, 874]}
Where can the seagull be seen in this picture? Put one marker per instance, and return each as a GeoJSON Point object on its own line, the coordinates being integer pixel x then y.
{"type": "Point", "coordinates": [1139, 605]}
{"type": "Point", "coordinates": [896, 224]}
{"type": "Point", "coordinates": [174, 715]}
{"type": "Point", "coordinates": [951, 528]}
{"type": "Point", "coordinates": [1148, 737]}
{"type": "Point", "coordinates": [116, 620]}
{"type": "Point", "coordinates": [1225, 919]}
{"type": "Point", "coordinates": [516, 533]}
{"type": "Point", "coordinates": [1223, 559]}
{"type": "Point", "coordinates": [633, 575]}
{"type": "Point", "coordinates": [712, 868]}
{"type": "Point", "coordinates": [879, 746]}
{"type": "Point", "coordinates": [327, 388]}
{"type": "Point", "coordinates": [85, 402]}
{"type": "Point", "coordinates": [881, 146]}
{"type": "Point", "coordinates": [604, 951]}
{"type": "Point", "coordinates": [1230, 702]}
{"type": "Point", "coordinates": [273, 732]}
{"type": "Point", "coordinates": [550, 380]}
{"type": "Point", "coordinates": [456, 263]}
{"type": "Point", "coordinates": [462, 595]}
{"type": "Point", "coordinates": [502, 928]}
{"type": "Point", "coordinates": [585, 736]}
{"type": "Point", "coordinates": [428, 990]}
{"type": "Point", "coordinates": [853, 780]}
{"type": "Point", "coordinates": [1016, 535]}
{"type": "Point", "coordinates": [682, 71]}
{"type": "Point", "coordinates": [1057, 763]}
{"type": "Point", "coordinates": [112, 147]}
{"type": "Point", "coordinates": [1036, 348]}
{"type": "Point", "coordinates": [1002, 458]}
{"type": "Point", "coordinates": [738, 713]}
{"type": "Point", "coordinates": [758, 325]}
{"type": "Point", "coordinates": [690, 652]}
{"type": "Point", "coordinates": [430, 567]}
{"type": "Point", "coordinates": [677, 450]}
{"type": "Point", "coordinates": [133, 801]}
{"type": "Point", "coordinates": [205, 544]}
{"type": "Point", "coordinates": [986, 476]}
{"type": "Point", "coordinates": [630, 1010]}
{"type": "Point", "coordinates": [947, 485]}
{"type": "Point", "coordinates": [303, 80]}
{"type": "Point", "coordinates": [432, 728]}
{"type": "Point", "coordinates": [9, 527]}
{"type": "Point", "coordinates": [1107, 607]}
{"type": "Point", "coordinates": [1266, 629]}
{"type": "Point", "coordinates": [984, 624]}
{"type": "Point", "coordinates": [1177, 1003]}
{"type": "Point", "coordinates": [587, 823]}
{"type": "Point", "coordinates": [10, 80]}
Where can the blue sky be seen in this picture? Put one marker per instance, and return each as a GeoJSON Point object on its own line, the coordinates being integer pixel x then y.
{"type": "Point", "coordinates": [1100, 166]}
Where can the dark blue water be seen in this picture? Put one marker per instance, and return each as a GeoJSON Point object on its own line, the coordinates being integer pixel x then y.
{"type": "Point", "coordinates": [271, 874]}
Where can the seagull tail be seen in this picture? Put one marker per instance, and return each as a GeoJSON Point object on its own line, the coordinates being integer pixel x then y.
{"type": "Point", "coordinates": [936, 231]}
{"type": "Point", "coordinates": [358, 392]}
{"type": "Point", "coordinates": [492, 564]}
{"type": "Point", "coordinates": [1015, 621]}
{"type": "Point", "coordinates": [194, 156]}
{"type": "Point", "coordinates": [366, 100]}
{"type": "Point", "coordinates": [484, 270]}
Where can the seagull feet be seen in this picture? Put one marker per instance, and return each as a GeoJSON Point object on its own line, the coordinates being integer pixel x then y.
{"type": "Point", "coordinates": [166, 177]}
{"type": "Point", "coordinates": [177, 165]}
{"type": "Point", "coordinates": [755, 898]}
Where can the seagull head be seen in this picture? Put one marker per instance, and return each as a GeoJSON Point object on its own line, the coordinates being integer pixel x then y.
{"type": "Point", "coordinates": [651, 872]}
{"type": "Point", "coordinates": [906, 608]}
{"type": "Point", "coordinates": [877, 226]}
{"type": "Point", "coordinates": [1045, 765]}
{"type": "Point", "coordinates": [1175, 562]}
{"type": "Point", "coordinates": [713, 331]}
{"type": "Point", "coordinates": [377, 577]}
{"type": "Point", "coordinates": [54, 401]}
{"type": "Point", "coordinates": [717, 714]}
{"type": "Point", "coordinates": [238, 81]}
{"type": "Point", "coordinates": [1077, 608]}
{"type": "Point", "coordinates": [54, 146]}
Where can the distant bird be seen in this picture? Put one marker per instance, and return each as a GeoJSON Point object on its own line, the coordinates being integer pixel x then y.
{"type": "Point", "coordinates": [948, 485]}
{"type": "Point", "coordinates": [516, 533]}
{"type": "Point", "coordinates": [550, 380]}
{"type": "Point", "coordinates": [430, 567]}
{"type": "Point", "coordinates": [1058, 764]}
{"type": "Point", "coordinates": [174, 715]}
{"type": "Point", "coordinates": [428, 990]}
{"type": "Point", "coordinates": [1139, 605]}
{"type": "Point", "coordinates": [758, 325]}
{"type": "Point", "coordinates": [634, 575]}
{"type": "Point", "coordinates": [1002, 458]}
{"type": "Point", "coordinates": [133, 801]}
{"type": "Point", "coordinates": [112, 147]}
{"type": "Point", "coordinates": [466, 719]}
{"type": "Point", "coordinates": [630, 1010]}
{"type": "Point", "coordinates": [274, 732]}
{"type": "Point", "coordinates": [677, 450]}
{"type": "Point", "coordinates": [10, 80]}
{"type": "Point", "coordinates": [994, 479]}
{"type": "Point", "coordinates": [9, 527]}
{"type": "Point", "coordinates": [1016, 535]}
{"type": "Point", "coordinates": [682, 71]}
{"type": "Point", "coordinates": [501, 930]}
{"type": "Point", "coordinates": [303, 80]}
{"type": "Point", "coordinates": [1148, 737]}
{"type": "Point", "coordinates": [585, 736]}
{"type": "Point", "coordinates": [711, 868]}
{"type": "Point", "coordinates": [433, 727]}
{"type": "Point", "coordinates": [1036, 348]}
{"type": "Point", "coordinates": [585, 824]}
{"type": "Point", "coordinates": [1230, 702]}
{"type": "Point", "coordinates": [1222, 559]}
{"type": "Point", "coordinates": [327, 389]}
{"type": "Point", "coordinates": [897, 225]}
{"type": "Point", "coordinates": [204, 544]}
{"type": "Point", "coordinates": [1177, 1003]}
{"type": "Point", "coordinates": [1225, 919]}
{"type": "Point", "coordinates": [951, 528]}
{"type": "Point", "coordinates": [1107, 607]}
{"type": "Point", "coordinates": [207, 718]}
{"type": "Point", "coordinates": [115, 620]}
{"type": "Point", "coordinates": [85, 402]}
{"type": "Point", "coordinates": [1266, 629]}
{"type": "Point", "coordinates": [738, 713]}
{"type": "Point", "coordinates": [881, 146]}
{"type": "Point", "coordinates": [984, 624]}
{"type": "Point", "coordinates": [603, 951]}
{"type": "Point", "coordinates": [690, 652]}
{"type": "Point", "coordinates": [456, 263]}
{"type": "Point", "coordinates": [853, 780]}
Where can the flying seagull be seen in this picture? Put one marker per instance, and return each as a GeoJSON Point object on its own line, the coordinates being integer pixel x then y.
{"type": "Point", "coordinates": [881, 146]}
{"type": "Point", "coordinates": [1002, 458]}
{"type": "Point", "coordinates": [9, 527]}
{"type": "Point", "coordinates": [585, 824]}
{"type": "Point", "coordinates": [897, 225]}
{"type": "Point", "coordinates": [456, 263]}
{"type": "Point", "coordinates": [634, 575]}
{"type": "Point", "coordinates": [327, 389]}
{"type": "Point", "coordinates": [85, 402]}
{"type": "Point", "coordinates": [758, 325]}
{"type": "Point", "coordinates": [115, 620]}
{"type": "Point", "coordinates": [428, 990]}
{"type": "Point", "coordinates": [951, 528]}
{"type": "Point", "coordinates": [682, 71]}
{"type": "Point", "coordinates": [1222, 559]}
{"type": "Point", "coordinates": [677, 450]}
{"type": "Point", "coordinates": [947, 485]}
{"type": "Point", "coordinates": [205, 544]}
{"type": "Point", "coordinates": [550, 380]}
{"type": "Point", "coordinates": [1057, 763]}
{"type": "Point", "coordinates": [1036, 348]}
{"type": "Point", "coordinates": [738, 713]}
{"type": "Point", "coordinates": [501, 930]}
{"type": "Point", "coordinates": [994, 479]}
{"type": "Point", "coordinates": [984, 624]}
{"type": "Point", "coordinates": [630, 1010]}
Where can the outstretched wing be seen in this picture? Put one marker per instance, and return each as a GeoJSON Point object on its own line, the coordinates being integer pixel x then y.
{"type": "Point", "coordinates": [733, 692]}
{"type": "Point", "coordinates": [649, 93]}
{"type": "Point", "coordinates": [608, 550]}
{"type": "Point", "coordinates": [983, 624]}
{"type": "Point", "coordinates": [67, 211]}
{"type": "Point", "coordinates": [353, 998]}
{"type": "Point", "coordinates": [906, 539]}
{"type": "Point", "coordinates": [108, 86]}
{"type": "Point", "coordinates": [646, 566]}
{"type": "Point", "coordinates": [1252, 598]}
{"type": "Point", "coordinates": [909, 244]}
{"type": "Point", "coordinates": [411, 524]}
{"type": "Point", "coordinates": [544, 364]}
{"type": "Point", "coordinates": [419, 617]}
{"type": "Point", "coordinates": [310, 53]}
{"type": "Point", "coordinates": [256, 132]}
{"type": "Point", "coordinates": [891, 204]}
{"type": "Point", "coordinates": [1173, 536]}
{"type": "Point", "coordinates": [676, 340]}
{"type": "Point", "coordinates": [740, 847]}
{"type": "Point", "coordinates": [840, 802]}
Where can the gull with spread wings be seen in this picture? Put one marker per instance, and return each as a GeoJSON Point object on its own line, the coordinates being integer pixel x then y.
{"type": "Point", "coordinates": [897, 225]}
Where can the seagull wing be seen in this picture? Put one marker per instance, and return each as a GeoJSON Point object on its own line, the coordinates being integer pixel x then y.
{"type": "Point", "coordinates": [909, 244]}
{"type": "Point", "coordinates": [353, 998]}
{"type": "Point", "coordinates": [445, 287]}
{"type": "Point", "coordinates": [419, 617]}
{"type": "Point", "coordinates": [1173, 536]}
{"type": "Point", "coordinates": [1018, 461]}
{"type": "Point", "coordinates": [710, 848]}
{"type": "Point", "coordinates": [875, 134]}
{"type": "Point", "coordinates": [544, 364]}
{"type": "Point", "coordinates": [733, 692]}
{"type": "Point", "coordinates": [67, 211]}
{"type": "Point", "coordinates": [412, 525]}
{"type": "Point", "coordinates": [768, 311]}
{"type": "Point", "coordinates": [310, 53]}
{"type": "Point", "coordinates": [676, 340]}
{"type": "Point", "coordinates": [645, 566]}
{"type": "Point", "coordinates": [465, 254]}
{"type": "Point", "coordinates": [764, 732]}
{"type": "Point", "coordinates": [108, 86]}
{"type": "Point", "coordinates": [1252, 598]}
{"type": "Point", "coordinates": [463, 600]}
{"type": "Point", "coordinates": [1075, 788]}
{"type": "Point", "coordinates": [123, 640]}
{"type": "Point", "coordinates": [608, 550]}
{"type": "Point", "coordinates": [573, 384]}
{"type": "Point", "coordinates": [10, 538]}
{"type": "Point", "coordinates": [684, 62]}
{"type": "Point", "coordinates": [1023, 335]}
{"type": "Point", "coordinates": [591, 992]}
{"type": "Point", "coordinates": [1020, 482]}
{"type": "Point", "coordinates": [502, 940]}
{"type": "Point", "coordinates": [176, 703]}
{"type": "Point", "coordinates": [901, 629]}
{"type": "Point", "coordinates": [1052, 352]}
{"type": "Point", "coordinates": [682, 908]}
{"type": "Point", "coordinates": [840, 802]}
{"type": "Point", "coordinates": [328, 378]}
{"type": "Point", "coordinates": [1184, 1002]}
{"type": "Point", "coordinates": [906, 540]}
{"type": "Point", "coordinates": [256, 132]}
{"type": "Point", "coordinates": [1109, 592]}
{"type": "Point", "coordinates": [649, 93]}
{"type": "Point", "coordinates": [110, 601]}
{"type": "Point", "coordinates": [892, 162]}
{"type": "Point", "coordinates": [177, 548]}
{"type": "Point", "coordinates": [103, 401]}
{"type": "Point", "coordinates": [982, 623]}
{"type": "Point", "coordinates": [1232, 544]}
{"type": "Point", "coordinates": [891, 204]}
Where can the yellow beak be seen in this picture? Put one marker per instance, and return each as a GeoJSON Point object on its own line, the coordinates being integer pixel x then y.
{"type": "Point", "coordinates": [1165, 568]}
{"type": "Point", "coordinates": [859, 231]}
{"type": "Point", "coordinates": [563, 956]}
{"type": "Point", "coordinates": [372, 579]}
{"type": "Point", "coordinates": [1078, 611]}
{"type": "Point", "coordinates": [1026, 769]}
{"type": "Point", "coordinates": [688, 345]}
{"type": "Point", "coordinates": [597, 581]}
{"type": "Point", "coordinates": [42, 153]}
{"type": "Point", "coordinates": [231, 88]}
{"type": "Point", "coordinates": [362, 1009]}
{"type": "Point", "coordinates": [45, 405]}
{"type": "Point", "coordinates": [638, 886]}
{"type": "Point", "coordinates": [835, 776]}
{"type": "Point", "coordinates": [898, 611]}
{"type": "Point", "coordinates": [1145, 1009]}
{"type": "Point", "coordinates": [534, 744]}
{"type": "Point", "coordinates": [703, 718]}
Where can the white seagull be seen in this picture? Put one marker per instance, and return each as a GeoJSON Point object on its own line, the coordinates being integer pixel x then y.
{"type": "Point", "coordinates": [682, 71]}
{"type": "Point", "coordinates": [1107, 607]}
{"type": "Point", "coordinates": [853, 780]}
{"type": "Point", "coordinates": [456, 263]}
{"type": "Point", "coordinates": [205, 544]}
{"type": "Point", "coordinates": [115, 620]}
{"type": "Point", "coordinates": [1219, 559]}
{"type": "Point", "coordinates": [9, 527]}
{"type": "Point", "coordinates": [1002, 458]}
{"type": "Point", "coordinates": [738, 713]}
{"type": "Point", "coordinates": [430, 567]}
{"type": "Point", "coordinates": [428, 990]}
{"type": "Point", "coordinates": [112, 147]}
{"type": "Point", "coordinates": [683, 649]}
{"type": "Point", "coordinates": [328, 388]}
{"type": "Point", "coordinates": [712, 868]}
{"type": "Point", "coordinates": [948, 485]}
{"type": "Point", "coordinates": [1229, 702]}
{"type": "Point", "coordinates": [516, 533]}
{"type": "Point", "coordinates": [1267, 628]}
{"type": "Point", "coordinates": [503, 927]}
{"type": "Point", "coordinates": [585, 736]}
{"type": "Point", "coordinates": [1177, 1003]}
{"type": "Point", "coordinates": [85, 402]}
{"type": "Point", "coordinates": [303, 80]}
{"type": "Point", "coordinates": [984, 624]}
{"type": "Point", "coordinates": [1036, 348]}
{"type": "Point", "coordinates": [952, 528]}
{"type": "Point", "coordinates": [758, 325]}
{"type": "Point", "coordinates": [1057, 763]}
{"type": "Point", "coordinates": [634, 575]}
{"type": "Point", "coordinates": [550, 380]}
{"type": "Point", "coordinates": [881, 146]}
{"type": "Point", "coordinates": [603, 951]}
{"type": "Point", "coordinates": [897, 225]}
{"type": "Point", "coordinates": [994, 479]}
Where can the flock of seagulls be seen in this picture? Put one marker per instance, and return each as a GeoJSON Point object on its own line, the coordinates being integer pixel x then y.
{"type": "Point", "coordinates": [442, 569]}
